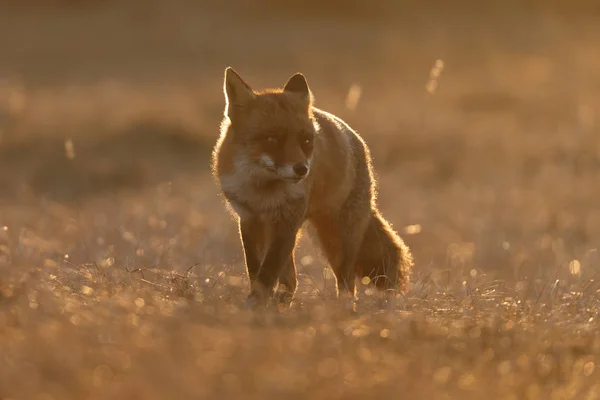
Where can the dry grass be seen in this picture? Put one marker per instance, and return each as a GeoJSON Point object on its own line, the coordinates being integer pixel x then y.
{"type": "Point", "coordinates": [121, 275]}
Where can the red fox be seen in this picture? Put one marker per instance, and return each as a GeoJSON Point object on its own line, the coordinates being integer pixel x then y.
{"type": "Point", "coordinates": [279, 162]}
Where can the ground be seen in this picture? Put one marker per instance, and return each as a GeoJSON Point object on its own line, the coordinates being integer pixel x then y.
{"type": "Point", "coordinates": [121, 273]}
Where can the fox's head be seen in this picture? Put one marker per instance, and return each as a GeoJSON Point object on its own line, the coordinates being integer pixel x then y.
{"type": "Point", "coordinates": [273, 131]}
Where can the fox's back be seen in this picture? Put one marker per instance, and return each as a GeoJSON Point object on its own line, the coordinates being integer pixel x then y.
{"type": "Point", "coordinates": [340, 154]}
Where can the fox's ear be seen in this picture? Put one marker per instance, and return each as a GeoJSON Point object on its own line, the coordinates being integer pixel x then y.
{"type": "Point", "coordinates": [297, 84]}
{"type": "Point", "coordinates": [238, 95]}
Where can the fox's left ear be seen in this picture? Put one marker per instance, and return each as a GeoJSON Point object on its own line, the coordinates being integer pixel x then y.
{"type": "Point", "coordinates": [297, 85]}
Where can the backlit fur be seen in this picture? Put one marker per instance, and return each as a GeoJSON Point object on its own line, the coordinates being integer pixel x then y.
{"type": "Point", "coordinates": [264, 135]}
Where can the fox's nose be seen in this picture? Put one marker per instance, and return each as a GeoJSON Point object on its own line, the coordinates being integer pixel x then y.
{"type": "Point", "coordinates": [300, 170]}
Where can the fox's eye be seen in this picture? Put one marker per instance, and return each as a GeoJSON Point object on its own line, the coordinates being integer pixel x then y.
{"type": "Point", "coordinates": [307, 140]}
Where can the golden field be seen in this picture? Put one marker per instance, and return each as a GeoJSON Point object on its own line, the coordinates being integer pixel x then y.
{"type": "Point", "coordinates": [122, 275]}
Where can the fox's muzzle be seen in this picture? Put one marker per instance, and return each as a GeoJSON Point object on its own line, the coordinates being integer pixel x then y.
{"type": "Point", "coordinates": [295, 172]}
{"type": "Point", "coordinates": [301, 170]}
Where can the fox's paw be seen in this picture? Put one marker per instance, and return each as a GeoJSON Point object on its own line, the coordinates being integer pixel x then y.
{"type": "Point", "coordinates": [284, 298]}
{"type": "Point", "coordinates": [252, 302]}
{"type": "Point", "coordinates": [255, 300]}
{"type": "Point", "coordinates": [259, 296]}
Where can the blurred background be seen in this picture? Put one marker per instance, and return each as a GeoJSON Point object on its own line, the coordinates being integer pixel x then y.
{"type": "Point", "coordinates": [121, 272]}
{"type": "Point", "coordinates": [482, 118]}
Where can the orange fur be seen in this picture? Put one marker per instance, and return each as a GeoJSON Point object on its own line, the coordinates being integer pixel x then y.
{"type": "Point", "coordinates": [279, 162]}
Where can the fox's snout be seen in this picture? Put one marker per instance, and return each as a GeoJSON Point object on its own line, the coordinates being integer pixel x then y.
{"type": "Point", "coordinates": [295, 171]}
{"type": "Point", "coordinates": [301, 170]}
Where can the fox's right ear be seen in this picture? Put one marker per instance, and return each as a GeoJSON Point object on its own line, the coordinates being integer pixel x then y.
{"type": "Point", "coordinates": [297, 84]}
{"type": "Point", "coordinates": [238, 95]}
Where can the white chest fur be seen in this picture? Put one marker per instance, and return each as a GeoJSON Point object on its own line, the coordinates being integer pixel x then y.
{"type": "Point", "coordinates": [246, 197]}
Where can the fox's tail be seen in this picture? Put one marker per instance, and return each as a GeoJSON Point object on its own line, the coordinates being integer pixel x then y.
{"type": "Point", "coordinates": [384, 257]}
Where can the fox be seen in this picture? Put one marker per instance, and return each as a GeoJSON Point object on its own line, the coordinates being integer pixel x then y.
{"type": "Point", "coordinates": [281, 162]}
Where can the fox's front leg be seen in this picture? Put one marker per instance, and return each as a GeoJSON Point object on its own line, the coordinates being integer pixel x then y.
{"type": "Point", "coordinates": [253, 235]}
{"type": "Point", "coordinates": [278, 254]}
